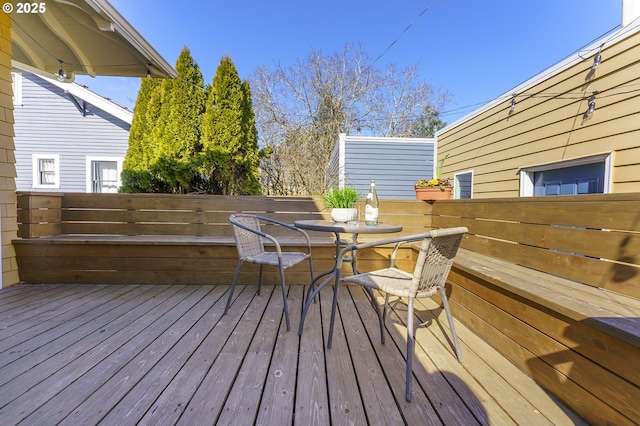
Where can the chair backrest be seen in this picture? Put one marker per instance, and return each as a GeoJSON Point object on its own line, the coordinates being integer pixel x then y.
{"type": "Point", "coordinates": [247, 242]}
{"type": "Point", "coordinates": [435, 259]}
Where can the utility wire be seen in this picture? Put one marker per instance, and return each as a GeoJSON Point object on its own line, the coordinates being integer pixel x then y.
{"type": "Point", "coordinates": [402, 33]}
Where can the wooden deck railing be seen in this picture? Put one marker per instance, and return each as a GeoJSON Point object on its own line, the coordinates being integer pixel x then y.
{"type": "Point", "coordinates": [166, 239]}
{"type": "Point", "coordinates": [552, 283]}
{"type": "Point", "coordinates": [593, 240]}
{"type": "Point", "coordinates": [50, 214]}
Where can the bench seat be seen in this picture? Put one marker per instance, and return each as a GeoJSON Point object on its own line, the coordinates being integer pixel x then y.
{"type": "Point", "coordinates": [609, 312]}
{"type": "Point", "coordinates": [581, 342]}
{"type": "Point", "coordinates": [165, 259]}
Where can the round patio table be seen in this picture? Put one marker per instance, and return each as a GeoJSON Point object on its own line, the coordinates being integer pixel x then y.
{"type": "Point", "coordinates": [353, 228]}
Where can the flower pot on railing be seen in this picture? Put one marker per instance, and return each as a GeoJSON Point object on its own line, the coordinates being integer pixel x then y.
{"type": "Point", "coordinates": [431, 193]}
{"type": "Point", "coordinates": [433, 189]}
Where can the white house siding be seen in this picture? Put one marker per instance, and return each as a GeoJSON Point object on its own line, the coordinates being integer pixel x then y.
{"type": "Point", "coordinates": [394, 163]}
{"type": "Point", "coordinates": [48, 122]}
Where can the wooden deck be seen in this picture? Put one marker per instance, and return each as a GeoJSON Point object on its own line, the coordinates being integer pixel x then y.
{"type": "Point", "coordinates": [107, 354]}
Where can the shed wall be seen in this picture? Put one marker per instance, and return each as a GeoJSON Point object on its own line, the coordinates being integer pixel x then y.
{"type": "Point", "coordinates": [394, 163]}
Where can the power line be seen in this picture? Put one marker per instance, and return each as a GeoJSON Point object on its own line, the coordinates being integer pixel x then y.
{"type": "Point", "coordinates": [402, 33]}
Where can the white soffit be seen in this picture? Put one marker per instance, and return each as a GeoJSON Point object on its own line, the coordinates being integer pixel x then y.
{"type": "Point", "coordinates": [89, 37]}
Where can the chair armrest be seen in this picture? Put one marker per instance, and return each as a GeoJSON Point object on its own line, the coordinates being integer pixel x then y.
{"type": "Point", "coordinates": [398, 241]}
{"type": "Point", "coordinates": [403, 239]}
{"type": "Point", "coordinates": [288, 226]}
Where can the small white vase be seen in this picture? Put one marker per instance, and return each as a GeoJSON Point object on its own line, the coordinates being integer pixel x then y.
{"type": "Point", "coordinates": [344, 215]}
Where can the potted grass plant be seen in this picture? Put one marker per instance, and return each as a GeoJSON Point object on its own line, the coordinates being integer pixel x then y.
{"type": "Point", "coordinates": [342, 203]}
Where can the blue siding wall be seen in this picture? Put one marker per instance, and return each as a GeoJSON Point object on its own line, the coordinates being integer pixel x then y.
{"type": "Point", "coordinates": [48, 122]}
{"type": "Point", "coordinates": [394, 163]}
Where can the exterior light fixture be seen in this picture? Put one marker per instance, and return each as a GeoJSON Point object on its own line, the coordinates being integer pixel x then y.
{"type": "Point", "coordinates": [513, 105]}
{"type": "Point", "coordinates": [61, 74]}
{"type": "Point", "coordinates": [597, 59]}
{"type": "Point", "coordinates": [148, 70]}
{"type": "Point", "coordinates": [591, 106]}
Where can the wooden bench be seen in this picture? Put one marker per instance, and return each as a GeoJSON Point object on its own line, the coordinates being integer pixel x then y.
{"type": "Point", "coordinates": [554, 285]}
{"type": "Point", "coordinates": [167, 239]}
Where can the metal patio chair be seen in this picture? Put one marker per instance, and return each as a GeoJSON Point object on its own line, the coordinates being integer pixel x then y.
{"type": "Point", "coordinates": [437, 251]}
{"type": "Point", "coordinates": [250, 244]}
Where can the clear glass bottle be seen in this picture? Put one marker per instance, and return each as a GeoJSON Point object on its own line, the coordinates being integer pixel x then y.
{"type": "Point", "coordinates": [371, 206]}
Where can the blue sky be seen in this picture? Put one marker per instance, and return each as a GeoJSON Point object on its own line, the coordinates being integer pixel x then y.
{"type": "Point", "coordinates": [476, 50]}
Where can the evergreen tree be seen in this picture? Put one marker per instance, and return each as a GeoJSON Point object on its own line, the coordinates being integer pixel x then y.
{"type": "Point", "coordinates": [427, 124]}
{"type": "Point", "coordinates": [177, 144]}
{"type": "Point", "coordinates": [164, 139]}
{"type": "Point", "coordinates": [251, 155]}
{"type": "Point", "coordinates": [230, 157]}
{"type": "Point", "coordinates": [136, 175]}
{"type": "Point", "coordinates": [176, 132]}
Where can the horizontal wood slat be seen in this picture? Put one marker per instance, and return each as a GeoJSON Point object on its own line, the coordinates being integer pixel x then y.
{"type": "Point", "coordinates": [134, 260]}
{"type": "Point", "coordinates": [39, 214]}
{"type": "Point", "coordinates": [593, 409]}
{"type": "Point", "coordinates": [608, 211]}
{"type": "Point", "coordinates": [199, 215]}
{"type": "Point", "coordinates": [592, 239]}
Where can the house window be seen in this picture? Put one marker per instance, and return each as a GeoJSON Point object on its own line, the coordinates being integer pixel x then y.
{"type": "Point", "coordinates": [46, 171]}
{"type": "Point", "coordinates": [463, 185]}
{"type": "Point", "coordinates": [103, 174]}
{"type": "Point", "coordinates": [16, 85]}
{"type": "Point", "coordinates": [590, 175]}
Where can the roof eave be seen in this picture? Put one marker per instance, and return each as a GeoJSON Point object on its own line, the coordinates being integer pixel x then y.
{"type": "Point", "coordinates": [124, 28]}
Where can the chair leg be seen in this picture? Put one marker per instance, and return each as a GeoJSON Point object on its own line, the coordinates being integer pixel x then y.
{"type": "Point", "coordinates": [374, 304]}
{"type": "Point", "coordinates": [311, 295]}
{"type": "Point", "coordinates": [410, 344]}
{"type": "Point", "coordinates": [311, 285]}
{"type": "Point", "coordinates": [445, 304]}
{"type": "Point", "coordinates": [311, 268]}
{"type": "Point", "coordinates": [284, 296]}
{"type": "Point", "coordinates": [333, 306]}
{"type": "Point", "coordinates": [385, 311]}
{"type": "Point", "coordinates": [233, 286]}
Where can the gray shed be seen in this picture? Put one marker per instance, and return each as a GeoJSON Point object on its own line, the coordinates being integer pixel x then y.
{"type": "Point", "coordinates": [395, 163]}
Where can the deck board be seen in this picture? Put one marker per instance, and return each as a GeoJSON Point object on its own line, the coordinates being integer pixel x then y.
{"type": "Point", "coordinates": [432, 397]}
{"type": "Point", "coordinates": [101, 354]}
{"type": "Point", "coordinates": [312, 399]}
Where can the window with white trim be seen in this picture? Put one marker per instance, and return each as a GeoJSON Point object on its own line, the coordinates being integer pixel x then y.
{"type": "Point", "coordinates": [103, 174]}
{"type": "Point", "coordinates": [46, 171]}
{"type": "Point", "coordinates": [463, 185]}
{"type": "Point", "coordinates": [588, 175]}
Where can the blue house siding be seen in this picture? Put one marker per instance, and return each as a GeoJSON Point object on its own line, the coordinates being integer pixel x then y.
{"type": "Point", "coordinates": [47, 121]}
{"type": "Point", "coordinates": [394, 163]}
